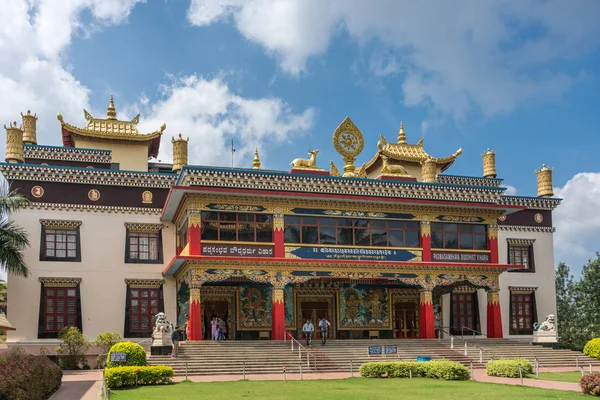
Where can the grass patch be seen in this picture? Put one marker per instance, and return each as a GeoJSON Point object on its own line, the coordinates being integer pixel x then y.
{"type": "Point", "coordinates": [572, 376]}
{"type": "Point", "coordinates": [346, 389]}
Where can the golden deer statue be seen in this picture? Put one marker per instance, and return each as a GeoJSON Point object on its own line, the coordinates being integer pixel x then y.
{"type": "Point", "coordinates": [388, 169]}
{"type": "Point", "coordinates": [304, 163]}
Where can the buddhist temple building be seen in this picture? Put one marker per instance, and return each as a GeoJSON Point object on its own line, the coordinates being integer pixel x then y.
{"type": "Point", "coordinates": [387, 246]}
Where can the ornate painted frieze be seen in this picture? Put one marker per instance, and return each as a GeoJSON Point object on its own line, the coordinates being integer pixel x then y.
{"type": "Point", "coordinates": [334, 185]}
{"type": "Point", "coordinates": [60, 282]}
{"type": "Point", "coordinates": [350, 213]}
{"type": "Point", "coordinates": [59, 224]}
{"type": "Point", "coordinates": [88, 176]}
{"type": "Point", "coordinates": [522, 289]}
{"type": "Point", "coordinates": [535, 203]}
{"type": "Point", "coordinates": [235, 207]}
{"type": "Point", "coordinates": [144, 283]}
{"type": "Point", "coordinates": [38, 152]}
{"type": "Point", "coordinates": [143, 227]}
{"type": "Point", "coordinates": [468, 180]}
{"type": "Point", "coordinates": [459, 218]}
{"type": "Point", "coordinates": [520, 242]}
{"type": "Point", "coordinates": [95, 208]}
{"type": "Point", "coordinates": [522, 228]}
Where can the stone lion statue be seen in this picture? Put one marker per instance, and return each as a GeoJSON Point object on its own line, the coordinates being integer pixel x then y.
{"type": "Point", "coordinates": [161, 325]}
{"type": "Point", "coordinates": [548, 325]}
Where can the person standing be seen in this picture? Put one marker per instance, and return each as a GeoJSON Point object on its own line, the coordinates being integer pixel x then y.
{"type": "Point", "coordinates": [175, 338]}
{"type": "Point", "coordinates": [308, 330]}
{"type": "Point", "coordinates": [324, 325]}
{"type": "Point", "coordinates": [214, 328]}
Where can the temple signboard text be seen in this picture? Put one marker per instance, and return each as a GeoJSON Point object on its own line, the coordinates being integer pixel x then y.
{"type": "Point", "coordinates": [461, 257]}
{"type": "Point", "coordinates": [347, 253]}
{"type": "Point", "coordinates": [236, 250]}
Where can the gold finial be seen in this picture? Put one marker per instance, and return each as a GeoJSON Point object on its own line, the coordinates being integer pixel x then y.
{"type": "Point", "coordinates": [401, 134]}
{"type": "Point", "coordinates": [29, 127]}
{"type": "Point", "coordinates": [544, 181]}
{"type": "Point", "coordinates": [256, 162]}
{"type": "Point", "coordinates": [489, 164]}
{"type": "Point", "coordinates": [428, 170]}
{"type": "Point", "coordinates": [111, 113]}
{"type": "Point", "coordinates": [180, 153]}
{"type": "Point", "coordinates": [14, 143]}
{"type": "Point", "coordinates": [349, 142]}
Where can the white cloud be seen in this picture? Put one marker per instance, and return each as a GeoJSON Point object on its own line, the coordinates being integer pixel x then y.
{"type": "Point", "coordinates": [33, 72]}
{"type": "Point", "coordinates": [577, 220]}
{"type": "Point", "coordinates": [459, 55]}
{"type": "Point", "coordinates": [209, 113]}
{"type": "Point", "coordinates": [510, 190]}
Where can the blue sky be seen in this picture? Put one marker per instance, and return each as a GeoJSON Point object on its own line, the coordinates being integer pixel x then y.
{"type": "Point", "coordinates": [521, 78]}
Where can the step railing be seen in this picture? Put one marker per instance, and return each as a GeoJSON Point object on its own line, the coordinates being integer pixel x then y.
{"type": "Point", "coordinates": [300, 349]}
{"type": "Point", "coordinates": [462, 331]}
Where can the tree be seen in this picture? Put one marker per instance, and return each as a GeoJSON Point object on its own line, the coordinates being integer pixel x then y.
{"type": "Point", "coordinates": [105, 341]}
{"type": "Point", "coordinates": [569, 319]}
{"type": "Point", "coordinates": [73, 348]}
{"type": "Point", "coordinates": [13, 238]}
{"type": "Point", "coordinates": [589, 297]}
{"type": "Point", "coordinates": [3, 289]}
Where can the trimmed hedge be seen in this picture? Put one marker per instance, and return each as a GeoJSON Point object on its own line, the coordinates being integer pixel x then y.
{"type": "Point", "coordinates": [509, 368]}
{"type": "Point", "coordinates": [592, 348]}
{"type": "Point", "coordinates": [28, 377]}
{"type": "Point", "coordinates": [135, 355]}
{"type": "Point", "coordinates": [437, 369]}
{"type": "Point", "coordinates": [118, 377]}
{"type": "Point", "coordinates": [590, 384]}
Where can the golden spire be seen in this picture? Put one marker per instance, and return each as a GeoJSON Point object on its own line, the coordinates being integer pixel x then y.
{"type": "Point", "coordinates": [256, 162]}
{"type": "Point", "coordinates": [111, 113]}
{"type": "Point", "coordinates": [401, 134]}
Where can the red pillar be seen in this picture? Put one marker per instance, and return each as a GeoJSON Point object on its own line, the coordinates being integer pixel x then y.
{"type": "Point", "coordinates": [426, 240]}
{"type": "Point", "coordinates": [426, 318]}
{"type": "Point", "coordinates": [279, 250]}
{"type": "Point", "coordinates": [492, 232]}
{"type": "Point", "coordinates": [195, 314]}
{"type": "Point", "coordinates": [194, 234]}
{"type": "Point", "coordinates": [494, 317]}
{"type": "Point", "coordinates": [277, 314]}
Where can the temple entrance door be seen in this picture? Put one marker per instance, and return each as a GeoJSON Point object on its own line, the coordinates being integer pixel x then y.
{"type": "Point", "coordinates": [406, 320]}
{"type": "Point", "coordinates": [220, 308]}
{"type": "Point", "coordinates": [314, 310]}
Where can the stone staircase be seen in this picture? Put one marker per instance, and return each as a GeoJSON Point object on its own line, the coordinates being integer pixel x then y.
{"type": "Point", "coordinates": [268, 357]}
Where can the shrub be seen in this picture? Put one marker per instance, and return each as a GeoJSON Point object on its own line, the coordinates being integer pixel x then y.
{"type": "Point", "coordinates": [71, 352]}
{"type": "Point", "coordinates": [509, 368]}
{"type": "Point", "coordinates": [135, 355]}
{"type": "Point", "coordinates": [590, 384]}
{"type": "Point", "coordinates": [126, 376]}
{"type": "Point", "coordinates": [28, 377]}
{"type": "Point", "coordinates": [592, 348]}
{"type": "Point", "coordinates": [105, 341]}
{"type": "Point", "coordinates": [437, 369]}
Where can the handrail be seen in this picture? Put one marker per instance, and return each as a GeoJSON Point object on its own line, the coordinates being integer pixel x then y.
{"type": "Point", "coordinates": [462, 331]}
{"type": "Point", "coordinates": [300, 348]}
{"type": "Point", "coordinates": [439, 329]}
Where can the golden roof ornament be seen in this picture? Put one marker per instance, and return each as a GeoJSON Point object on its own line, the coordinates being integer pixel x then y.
{"type": "Point", "coordinates": [489, 164]}
{"type": "Point", "coordinates": [14, 143]}
{"type": "Point", "coordinates": [349, 142]}
{"type": "Point", "coordinates": [180, 153]}
{"type": "Point", "coordinates": [256, 161]}
{"type": "Point", "coordinates": [29, 127]}
{"type": "Point", "coordinates": [401, 134]}
{"type": "Point", "coordinates": [544, 181]}
{"type": "Point", "coordinates": [112, 112]}
{"type": "Point", "coordinates": [307, 163]}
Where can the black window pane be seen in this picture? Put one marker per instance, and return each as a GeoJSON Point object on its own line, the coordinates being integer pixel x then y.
{"type": "Point", "coordinates": [327, 222]}
{"type": "Point", "coordinates": [479, 228]}
{"type": "Point", "coordinates": [310, 235]}
{"type": "Point", "coordinates": [208, 215]}
{"type": "Point", "coordinates": [465, 228]}
{"type": "Point", "coordinates": [436, 240]}
{"type": "Point", "coordinates": [412, 239]}
{"type": "Point", "coordinates": [395, 224]}
{"type": "Point", "coordinates": [362, 237]}
{"type": "Point", "coordinates": [451, 241]}
{"type": "Point", "coordinates": [450, 227]}
{"type": "Point", "coordinates": [379, 237]}
{"type": "Point", "coordinates": [246, 232]}
{"type": "Point", "coordinates": [362, 223]}
{"type": "Point", "coordinates": [228, 217]}
{"type": "Point", "coordinates": [437, 226]}
{"type": "Point", "coordinates": [264, 218]}
{"type": "Point", "coordinates": [412, 225]}
{"type": "Point", "coordinates": [310, 221]}
{"type": "Point", "coordinates": [378, 224]}
{"type": "Point", "coordinates": [209, 231]}
{"type": "Point", "coordinates": [396, 238]}
{"type": "Point", "coordinates": [327, 235]}
{"type": "Point", "coordinates": [264, 234]}
{"type": "Point", "coordinates": [344, 222]}
{"type": "Point", "coordinates": [466, 241]}
{"type": "Point", "coordinates": [245, 217]}
{"type": "Point", "coordinates": [481, 242]}
{"type": "Point", "coordinates": [227, 231]}
{"type": "Point", "coordinates": [345, 236]}
{"type": "Point", "coordinates": [292, 234]}
{"type": "Point", "coordinates": [291, 220]}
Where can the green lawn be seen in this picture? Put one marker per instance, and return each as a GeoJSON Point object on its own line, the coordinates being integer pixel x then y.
{"type": "Point", "coordinates": [347, 389]}
{"type": "Point", "coordinates": [572, 376]}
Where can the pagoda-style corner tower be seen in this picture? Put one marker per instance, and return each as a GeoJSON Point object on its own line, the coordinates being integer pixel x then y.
{"type": "Point", "coordinates": [412, 157]}
{"type": "Point", "coordinates": [130, 148]}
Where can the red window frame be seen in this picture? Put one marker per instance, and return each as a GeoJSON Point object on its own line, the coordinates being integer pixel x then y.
{"type": "Point", "coordinates": [521, 313]}
{"type": "Point", "coordinates": [52, 243]}
{"type": "Point", "coordinates": [256, 224]}
{"type": "Point", "coordinates": [473, 231]}
{"type": "Point", "coordinates": [521, 255]}
{"type": "Point", "coordinates": [60, 308]}
{"type": "Point", "coordinates": [141, 251]}
{"type": "Point", "coordinates": [463, 312]}
{"type": "Point", "coordinates": [144, 304]}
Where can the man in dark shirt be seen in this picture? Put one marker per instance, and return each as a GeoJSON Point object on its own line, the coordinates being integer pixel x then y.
{"type": "Point", "coordinates": [175, 337]}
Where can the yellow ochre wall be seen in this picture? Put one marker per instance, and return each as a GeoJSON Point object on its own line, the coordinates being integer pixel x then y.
{"type": "Point", "coordinates": [132, 156]}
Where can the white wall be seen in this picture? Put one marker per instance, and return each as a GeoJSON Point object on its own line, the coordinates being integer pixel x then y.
{"type": "Point", "coordinates": [102, 269]}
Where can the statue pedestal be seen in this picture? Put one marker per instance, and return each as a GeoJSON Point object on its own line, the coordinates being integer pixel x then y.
{"type": "Point", "coordinates": [162, 344]}
{"type": "Point", "coordinates": [391, 177]}
{"type": "Point", "coordinates": [309, 171]}
{"type": "Point", "coordinates": [545, 338]}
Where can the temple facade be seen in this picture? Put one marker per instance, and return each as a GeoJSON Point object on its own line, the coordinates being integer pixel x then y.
{"type": "Point", "coordinates": [393, 247]}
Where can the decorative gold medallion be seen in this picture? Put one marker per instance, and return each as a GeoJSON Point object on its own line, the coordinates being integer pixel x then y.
{"type": "Point", "coordinates": [349, 142]}
{"type": "Point", "coordinates": [94, 195]}
{"type": "Point", "coordinates": [538, 218]}
{"type": "Point", "coordinates": [502, 218]}
{"type": "Point", "coordinates": [147, 197]}
{"type": "Point", "coordinates": [37, 191]}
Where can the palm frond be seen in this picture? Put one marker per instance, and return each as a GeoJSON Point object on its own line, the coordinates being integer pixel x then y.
{"type": "Point", "coordinates": [13, 201]}
{"type": "Point", "coordinates": [13, 240]}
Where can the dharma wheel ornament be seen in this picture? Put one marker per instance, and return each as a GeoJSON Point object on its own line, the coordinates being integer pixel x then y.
{"type": "Point", "coordinates": [349, 142]}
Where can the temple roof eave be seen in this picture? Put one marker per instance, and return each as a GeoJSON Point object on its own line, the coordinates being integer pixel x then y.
{"type": "Point", "coordinates": [443, 162]}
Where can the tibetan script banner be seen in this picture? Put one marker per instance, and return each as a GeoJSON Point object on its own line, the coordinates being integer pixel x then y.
{"type": "Point", "coordinates": [236, 250]}
{"type": "Point", "coordinates": [461, 257]}
{"type": "Point", "coordinates": [346, 253]}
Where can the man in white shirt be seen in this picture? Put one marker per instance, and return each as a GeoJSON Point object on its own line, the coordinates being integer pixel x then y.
{"type": "Point", "coordinates": [324, 325]}
{"type": "Point", "coordinates": [308, 329]}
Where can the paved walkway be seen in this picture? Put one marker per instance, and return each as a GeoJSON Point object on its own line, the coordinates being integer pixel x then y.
{"type": "Point", "coordinates": [86, 385]}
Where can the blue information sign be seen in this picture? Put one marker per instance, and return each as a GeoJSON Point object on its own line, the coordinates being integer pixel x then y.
{"type": "Point", "coordinates": [391, 349]}
{"type": "Point", "coordinates": [335, 253]}
{"type": "Point", "coordinates": [118, 357]}
{"type": "Point", "coordinates": [375, 350]}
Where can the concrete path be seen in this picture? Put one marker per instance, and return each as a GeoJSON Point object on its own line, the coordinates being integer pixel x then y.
{"type": "Point", "coordinates": [87, 385]}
